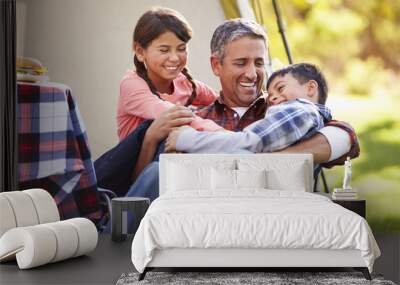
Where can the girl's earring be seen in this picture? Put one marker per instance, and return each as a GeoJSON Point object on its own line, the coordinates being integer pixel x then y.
{"type": "Point", "coordinates": [145, 65]}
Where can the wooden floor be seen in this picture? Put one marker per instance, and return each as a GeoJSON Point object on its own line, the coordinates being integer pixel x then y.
{"type": "Point", "coordinates": [110, 259]}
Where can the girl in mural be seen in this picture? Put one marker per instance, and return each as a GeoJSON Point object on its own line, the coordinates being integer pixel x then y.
{"type": "Point", "coordinates": [160, 79]}
{"type": "Point", "coordinates": [159, 88]}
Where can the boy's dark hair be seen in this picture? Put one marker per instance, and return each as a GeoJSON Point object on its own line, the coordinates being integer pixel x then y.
{"type": "Point", "coordinates": [150, 26]}
{"type": "Point", "coordinates": [303, 72]}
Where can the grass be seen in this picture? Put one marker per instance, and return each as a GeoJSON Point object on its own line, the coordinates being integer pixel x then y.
{"type": "Point", "coordinates": [376, 173]}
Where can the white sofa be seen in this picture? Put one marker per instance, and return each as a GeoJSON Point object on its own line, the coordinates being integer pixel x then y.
{"type": "Point", "coordinates": [31, 231]}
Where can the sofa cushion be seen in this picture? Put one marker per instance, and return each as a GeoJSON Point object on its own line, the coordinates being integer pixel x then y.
{"type": "Point", "coordinates": [7, 220]}
{"type": "Point", "coordinates": [26, 208]}
{"type": "Point", "coordinates": [45, 205]}
{"type": "Point", "coordinates": [22, 207]}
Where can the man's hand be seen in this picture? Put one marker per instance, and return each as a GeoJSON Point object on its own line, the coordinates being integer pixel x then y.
{"type": "Point", "coordinates": [168, 120]}
{"type": "Point", "coordinates": [170, 143]}
{"type": "Point", "coordinates": [317, 145]}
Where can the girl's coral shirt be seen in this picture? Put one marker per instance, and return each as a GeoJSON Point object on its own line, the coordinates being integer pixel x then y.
{"type": "Point", "coordinates": [137, 103]}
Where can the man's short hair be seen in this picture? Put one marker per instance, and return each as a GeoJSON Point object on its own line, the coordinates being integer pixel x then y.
{"type": "Point", "coordinates": [304, 72]}
{"type": "Point", "coordinates": [231, 30]}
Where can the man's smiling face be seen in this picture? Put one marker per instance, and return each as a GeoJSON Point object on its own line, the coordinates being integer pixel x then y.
{"type": "Point", "coordinates": [241, 71]}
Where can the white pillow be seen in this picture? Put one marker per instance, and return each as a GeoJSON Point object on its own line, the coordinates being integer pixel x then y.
{"type": "Point", "coordinates": [251, 178]}
{"type": "Point", "coordinates": [225, 179]}
{"type": "Point", "coordinates": [188, 177]}
{"type": "Point", "coordinates": [295, 180]}
{"type": "Point", "coordinates": [281, 174]}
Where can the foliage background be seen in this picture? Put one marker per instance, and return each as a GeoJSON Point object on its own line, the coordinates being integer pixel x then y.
{"type": "Point", "coordinates": [357, 46]}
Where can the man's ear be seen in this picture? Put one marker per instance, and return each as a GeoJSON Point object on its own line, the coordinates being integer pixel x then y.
{"type": "Point", "coordinates": [215, 65]}
{"type": "Point", "coordinates": [312, 88]}
{"type": "Point", "coordinates": [139, 51]}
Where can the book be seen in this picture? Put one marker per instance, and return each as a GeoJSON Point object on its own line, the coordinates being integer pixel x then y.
{"type": "Point", "coordinates": [345, 198]}
{"type": "Point", "coordinates": [345, 195]}
{"type": "Point", "coordinates": [341, 190]}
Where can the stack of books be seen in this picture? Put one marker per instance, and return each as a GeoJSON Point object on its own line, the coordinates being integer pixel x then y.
{"type": "Point", "coordinates": [344, 194]}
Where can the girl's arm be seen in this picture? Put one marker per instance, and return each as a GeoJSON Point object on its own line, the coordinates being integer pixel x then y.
{"type": "Point", "coordinates": [137, 99]}
{"type": "Point", "coordinates": [205, 96]}
{"type": "Point", "coordinates": [147, 152]}
{"type": "Point", "coordinates": [201, 124]}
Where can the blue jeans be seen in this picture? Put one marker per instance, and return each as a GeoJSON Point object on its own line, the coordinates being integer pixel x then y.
{"type": "Point", "coordinates": [115, 167]}
{"type": "Point", "coordinates": [146, 185]}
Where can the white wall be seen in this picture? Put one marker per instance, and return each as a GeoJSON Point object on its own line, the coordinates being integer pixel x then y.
{"type": "Point", "coordinates": [86, 44]}
{"type": "Point", "coordinates": [21, 26]}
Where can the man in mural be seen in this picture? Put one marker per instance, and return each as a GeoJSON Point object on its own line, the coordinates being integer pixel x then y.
{"type": "Point", "coordinates": [238, 58]}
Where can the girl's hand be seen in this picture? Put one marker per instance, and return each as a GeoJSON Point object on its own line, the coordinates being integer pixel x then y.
{"type": "Point", "coordinates": [168, 120]}
{"type": "Point", "coordinates": [172, 139]}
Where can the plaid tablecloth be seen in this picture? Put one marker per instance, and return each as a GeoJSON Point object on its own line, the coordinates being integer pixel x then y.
{"type": "Point", "coordinates": [53, 149]}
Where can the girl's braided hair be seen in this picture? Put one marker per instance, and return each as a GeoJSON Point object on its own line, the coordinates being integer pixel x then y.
{"type": "Point", "coordinates": [151, 25]}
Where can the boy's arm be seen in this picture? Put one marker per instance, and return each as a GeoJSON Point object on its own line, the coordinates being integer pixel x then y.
{"type": "Point", "coordinates": [282, 126]}
{"type": "Point", "coordinates": [192, 141]}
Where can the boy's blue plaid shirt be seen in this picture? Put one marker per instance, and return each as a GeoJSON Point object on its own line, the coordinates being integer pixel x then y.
{"type": "Point", "coordinates": [289, 122]}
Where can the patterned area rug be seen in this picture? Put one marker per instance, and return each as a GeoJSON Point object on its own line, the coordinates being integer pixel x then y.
{"type": "Point", "coordinates": [242, 278]}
